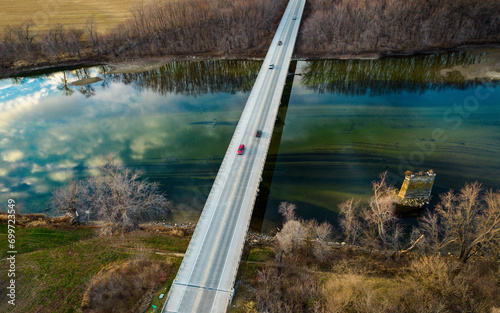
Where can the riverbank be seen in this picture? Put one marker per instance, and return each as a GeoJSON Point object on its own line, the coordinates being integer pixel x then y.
{"type": "Point", "coordinates": [489, 68]}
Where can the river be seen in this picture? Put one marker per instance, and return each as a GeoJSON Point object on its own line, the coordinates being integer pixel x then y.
{"type": "Point", "coordinates": [341, 123]}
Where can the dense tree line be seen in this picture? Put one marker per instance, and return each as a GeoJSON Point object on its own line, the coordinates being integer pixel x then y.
{"type": "Point", "coordinates": [336, 27]}
{"type": "Point", "coordinates": [156, 28]}
{"type": "Point", "coordinates": [194, 26]}
{"type": "Point", "coordinates": [330, 27]}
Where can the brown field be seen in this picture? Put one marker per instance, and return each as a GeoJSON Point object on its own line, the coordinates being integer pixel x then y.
{"type": "Point", "coordinates": [71, 13]}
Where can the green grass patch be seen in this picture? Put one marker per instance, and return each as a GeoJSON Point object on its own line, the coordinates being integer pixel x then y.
{"type": "Point", "coordinates": [34, 239]}
{"type": "Point", "coordinates": [168, 243]}
{"type": "Point", "coordinates": [260, 254]}
{"type": "Point", "coordinates": [250, 270]}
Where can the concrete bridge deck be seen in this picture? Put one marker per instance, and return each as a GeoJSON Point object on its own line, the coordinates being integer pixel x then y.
{"type": "Point", "coordinates": [205, 280]}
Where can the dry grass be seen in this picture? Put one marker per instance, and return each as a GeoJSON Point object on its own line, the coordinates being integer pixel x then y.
{"type": "Point", "coordinates": [427, 284]}
{"type": "Point", "coordinates": [365, 280]}
{"type": "Point", "coordinates": [70, 13]}
{"type": "Point", "coordinates": [37, 220]}
{"type": "Point", "coordinates": [38, 223]}
{"type": "Point", "coordinates": [125, 287]}
{"type": "Point", "coordinates": [362, 283]}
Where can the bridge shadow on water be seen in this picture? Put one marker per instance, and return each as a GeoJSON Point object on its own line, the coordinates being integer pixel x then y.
{"type": "Point", "coordinates": [260, 206]}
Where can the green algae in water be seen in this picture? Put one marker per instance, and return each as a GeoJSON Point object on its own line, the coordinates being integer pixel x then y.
{"type": "Point", "coordinates": [347, 121]}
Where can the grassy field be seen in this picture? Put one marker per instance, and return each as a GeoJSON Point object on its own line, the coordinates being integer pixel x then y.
{"type": "Point", "coordinates": [34, 239]}
{"type": "Point", "coordinates": [70, 13]}
{"type": "Point", "coordinates": [55, 266]}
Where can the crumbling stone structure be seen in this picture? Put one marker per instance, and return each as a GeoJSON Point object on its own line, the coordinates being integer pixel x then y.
{"type": "Point", "coordinates": [416, 188]}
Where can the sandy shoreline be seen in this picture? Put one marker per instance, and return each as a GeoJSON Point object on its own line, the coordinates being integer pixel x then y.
{"type": "Point", "coordinates": [488, 68]}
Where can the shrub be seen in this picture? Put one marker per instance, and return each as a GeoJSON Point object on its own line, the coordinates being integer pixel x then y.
{"type": "Point", "coordinates": [120, 288]}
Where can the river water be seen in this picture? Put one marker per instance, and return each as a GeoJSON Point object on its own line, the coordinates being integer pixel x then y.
{"type": "Point", "coordinates": [341, 123]}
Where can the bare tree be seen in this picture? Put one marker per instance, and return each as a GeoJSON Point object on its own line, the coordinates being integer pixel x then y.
{"type": "Point", "coordinates": [465, 221]}
{"type": "Point", "coordinates": [123, 200]}
{"type": "Point", "coordinates": [69, 200]}
{"type": "Point", "coordinates": [75, 42]}
{"type": "Point", "coordinates": [118, 197]}
{"type": "Point", "coordinates": [349, 220]}
{"type": "Point", "coordinates": [322, 233]}
{"type": "Point", "coordinates": [26, 35]}
{"type": "Point", "coordinates": [380, 213]}
{"type": "Point", "coordinates": [431, 230]}
{"type": "Point", "coordinates": [308, 237]}
{"type": "Point", "coordinates": [291, 237]}
{"type": "Point", "coordinates": [92, 34]}
{"type": "Point", "coordinates": [489, 241]}
{"type": "Point", "coordinates": [53, 41]}
{"type": "Point", "coordinates": [287, 209]}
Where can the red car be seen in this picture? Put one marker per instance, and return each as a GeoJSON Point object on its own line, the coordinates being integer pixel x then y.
{"type": "Point", "coordinates": [279, 43]}
{"type": "Point", "coordinates": [241, 149]}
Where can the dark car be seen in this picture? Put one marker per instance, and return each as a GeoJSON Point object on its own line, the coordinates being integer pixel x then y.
{"type": "Point", "coordinates": [241, 148]}
{"type": "Point", "coordinates": [258, 133]}
{"type": "Point", "coordinates": [294, 17]}
{"type": "Point", "coordinates": [279, 43]}
{"type": "Point", "coordinates": [271, 66]}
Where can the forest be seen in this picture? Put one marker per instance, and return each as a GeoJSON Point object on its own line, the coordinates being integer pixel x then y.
{"type": "Point", "coordinates": [245, 28]}
{"type": "Point", "coordinates": [385, 27]}
{"type": "Point", "coordinates": [157, 28]}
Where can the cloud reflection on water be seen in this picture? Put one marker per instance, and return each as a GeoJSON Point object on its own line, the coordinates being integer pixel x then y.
{"type": "Point", "coordinates": [51, 136]}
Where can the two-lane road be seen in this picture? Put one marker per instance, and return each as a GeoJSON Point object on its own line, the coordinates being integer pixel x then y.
{"type": "Point", "coordinates": [206, 277]}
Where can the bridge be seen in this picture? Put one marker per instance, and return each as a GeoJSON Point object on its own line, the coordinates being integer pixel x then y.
{"type": "Point", "coordinates": [205, 280]}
